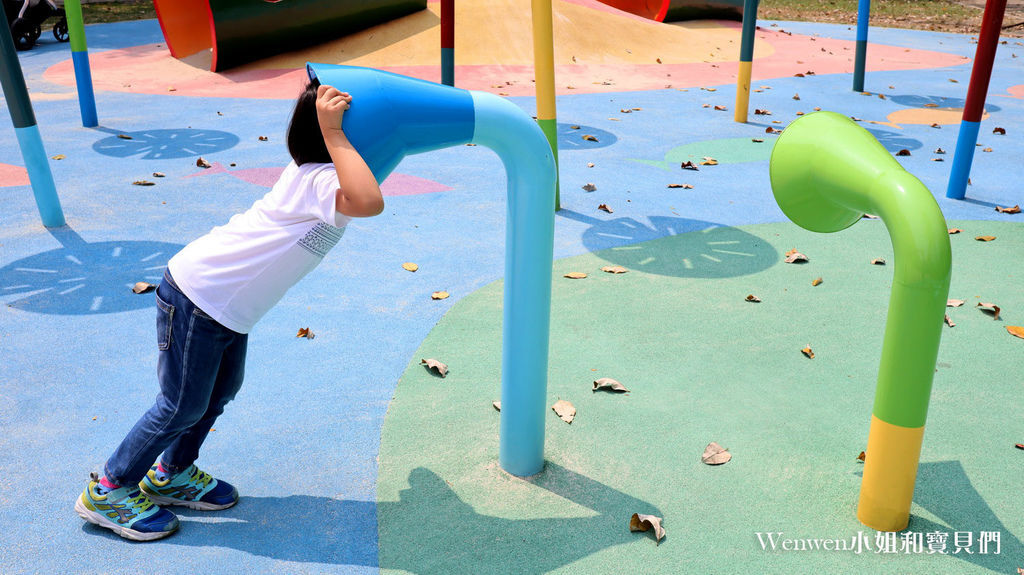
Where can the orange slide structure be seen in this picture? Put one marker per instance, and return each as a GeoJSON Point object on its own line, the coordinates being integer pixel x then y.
{"type": "Point", "coordinates": [673, 10]}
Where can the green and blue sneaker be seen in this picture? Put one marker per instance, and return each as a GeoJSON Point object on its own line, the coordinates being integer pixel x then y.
{"type": "Point", "coordinates": [125, 511]}
{"type": "Point", "coordinates": [192, 488]}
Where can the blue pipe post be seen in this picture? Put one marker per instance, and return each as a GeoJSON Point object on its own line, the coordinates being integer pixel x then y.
{"type": "Point", "coordinates": [860, 58]}
{"type": "Point", "coordinates": [393, 116]}
{"type": "Point", "coordinates": [30, 141]}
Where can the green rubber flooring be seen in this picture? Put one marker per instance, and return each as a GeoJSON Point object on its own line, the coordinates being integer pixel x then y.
{"type": "Point", "coordinates": [702, 365]}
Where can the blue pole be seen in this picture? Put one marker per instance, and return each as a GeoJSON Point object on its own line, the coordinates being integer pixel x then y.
{"type": "Point", "coordinates": [963, 157]}
{"type": "Point", "coordinates": [860, 58]}
{"type": "Point", "coordinates": [80, 58]}
{"type": "Point", "coordinates": [529, 241]}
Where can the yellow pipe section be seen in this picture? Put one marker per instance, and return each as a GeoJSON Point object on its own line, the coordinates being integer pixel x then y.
{"type": "Point", "coordinates": [890, 467]}
{"type": "Point", "coordinates": [743, 92]}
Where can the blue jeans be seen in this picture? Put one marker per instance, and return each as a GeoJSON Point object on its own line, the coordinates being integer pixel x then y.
{"type": "Point", "coordinates": [200, 368]}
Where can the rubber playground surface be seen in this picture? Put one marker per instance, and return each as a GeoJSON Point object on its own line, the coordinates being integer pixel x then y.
{"type": "Point", "coordinates": [351, 457]}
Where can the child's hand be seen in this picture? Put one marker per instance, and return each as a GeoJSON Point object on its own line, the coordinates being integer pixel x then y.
{"type": "Point", "coordinates": [330, 107]}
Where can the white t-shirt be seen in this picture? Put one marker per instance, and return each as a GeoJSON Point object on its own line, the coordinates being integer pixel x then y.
{"type": "Point", "coordinates": [240, 270]}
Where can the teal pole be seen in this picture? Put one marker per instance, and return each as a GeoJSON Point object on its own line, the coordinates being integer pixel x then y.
{"type": "Point", "coordinates": [29, 140]}
{"type": "Point", "coordinates": [860, 57]}
{"type": "Point", "coordinates": [393, 116]}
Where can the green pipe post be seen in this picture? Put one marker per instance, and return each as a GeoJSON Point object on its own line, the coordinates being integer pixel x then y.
{"type": "Point", "coordinates": [826, 173]}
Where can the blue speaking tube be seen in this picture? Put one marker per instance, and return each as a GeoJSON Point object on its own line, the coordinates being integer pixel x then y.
{"type": "Point", "coordinates": [393, 116]}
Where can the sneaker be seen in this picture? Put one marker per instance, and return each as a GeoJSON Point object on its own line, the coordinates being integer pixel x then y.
{"type": "Point", "coordinates": [125, 511]}
{"type": "Point", "coordinates": [192, 488]}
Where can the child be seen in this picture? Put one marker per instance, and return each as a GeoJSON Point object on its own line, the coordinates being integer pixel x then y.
{"type": "Point", "coordinates": [212, 293]}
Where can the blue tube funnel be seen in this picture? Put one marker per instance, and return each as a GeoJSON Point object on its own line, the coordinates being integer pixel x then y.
{"type": "Point", "coordinates": [393, 116]}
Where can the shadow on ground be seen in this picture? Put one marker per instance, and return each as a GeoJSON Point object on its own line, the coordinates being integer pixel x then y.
{"type": "Point", "coordinates": [82, 278]}
{"type": "Point", "coordinates": [430, 529]}
{"type": "Point", "coordinates": [164, 144]}
{"type": "Point", "coordinates": [717, 251]}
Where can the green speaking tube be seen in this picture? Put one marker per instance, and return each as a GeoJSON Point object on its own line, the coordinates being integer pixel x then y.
{"type": "Point", "coordinates": [239, 31]}
{"type": "Point", "coordinates": [826, 173]}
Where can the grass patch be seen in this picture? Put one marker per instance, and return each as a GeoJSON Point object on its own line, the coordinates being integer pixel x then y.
{"type": "Point", "coordinates": [937, 15]}
{"type": "Point", "coordinates": [103, 12]}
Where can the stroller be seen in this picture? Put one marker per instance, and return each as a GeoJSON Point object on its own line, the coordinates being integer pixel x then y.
{"type": "Point", "coordinates": [25, 18]}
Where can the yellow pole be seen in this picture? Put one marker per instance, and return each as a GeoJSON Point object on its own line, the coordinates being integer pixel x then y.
{"type": "Point", "coordinates": [544, 76]}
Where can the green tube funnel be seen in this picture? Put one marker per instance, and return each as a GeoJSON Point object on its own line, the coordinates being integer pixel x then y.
{"type": "Point", "coordinates": [826, 172]}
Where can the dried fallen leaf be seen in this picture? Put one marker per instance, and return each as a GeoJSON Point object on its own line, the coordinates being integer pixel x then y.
{"type": "Point", "coordinates": [1000, 131]}
{"type": "Point", "coordinates": [614, 269]}
{"type": "Point", "coordinates": [433, 364]}
{"type": "Point", "coordinates": [439, 295]}
{"type": "Point", "coordinates": [565, 410]}
{"type": "Point", "coordinates": [753, 298]}
{"type": "Point", "coordinates": [808, 352]}
{"type": "Point", "coordinates": [793, 256]}
{"type": "Point", "coordinates": [985, 238]}
{"type": "Point", "coordinates": [124, 136]}
{"type": "Point", "coordinates": [715, 454]}
{"type": "Point", "coordinates": [1016, 330]}
{"type": "Point", "coordinates": [948, 321]}
{"type": "Point", "coordinates": [709, 161]}
{"type": "Point", "coordinates": [759, 112]}
{"type": "Point", "coordinates": [203, 163]}
{"type": "Point", "coordinates": [954, 302]}
{"type": "Point", "coordinates": [771, 130]}
{"type": "Point", "coordinates": [574, 127]}
{"type": "Point", "coordinates": [817, 282]}
{"type": "Point", "coordinates": [58, 157]}
{"type": "Point", "coordinates": [757, 140]}
{"type": "Point", "coordinates": [306, 333]}
{"type": "Point", "coordinates": [721, 108]}
{"type": "Point", "coordinates": [609, 384]}
{"type": "Point", "coordinates": [263, 138]}
{"type": "Point", "coordinates": [590, 164]}
{"type": "Point", "coordinates": [159, 174]}
{"type": "Point", "coordinates": [589, 187]}
{"type": "Point", "coordinates": [989, 308]}
{"type": "Point", "coordinates": [954, 231]}
{"type": "Point", "coordinates": [683, 186]}
{"type": "Point", "coordinates": [409, 266]}
{"type": "Point", "coordinates": [939, 151]}
{"type": "Point", "coordinates": [604, 207]}
{"type": "Point", "coordinates": [903, 152]}
{"type": "Point", "coordinates": [878, 262]}
{"type": "Point", "coordinates": [640, 522]}
{"type": "Point", "coordinates": [797, 96]}
{"type": "Point", "coordinates": [1014, 210]}
{"type": "Point", "coordinates": [986, 149]}
{"type": "Point", "coordinates": [575, 275]}
{"type": "Point", "coordinates": [862, 457]}
{"type": "Point", "coordinates": [589, 138]}
{"type": "Point", "coordinates": [688, 165]}
{"type": "Point", "coordinates": [143, 183]}
{"type": "Point", "coordinates": [143, 287]}
{"type": "Point", "coordinates": [496, 405]}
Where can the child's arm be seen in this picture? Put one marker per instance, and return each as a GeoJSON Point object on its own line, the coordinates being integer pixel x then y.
{"type": "Point", "coordinates": [359, 195]}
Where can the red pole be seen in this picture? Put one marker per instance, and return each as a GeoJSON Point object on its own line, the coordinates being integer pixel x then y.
{"type": "Point", "coordinates": [988, 41]}
{"type": "Point", "coordinates": [448, 42]}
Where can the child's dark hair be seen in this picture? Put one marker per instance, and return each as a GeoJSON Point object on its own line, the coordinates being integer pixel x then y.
{"type": "Point", "coordinates": [305, 141]}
